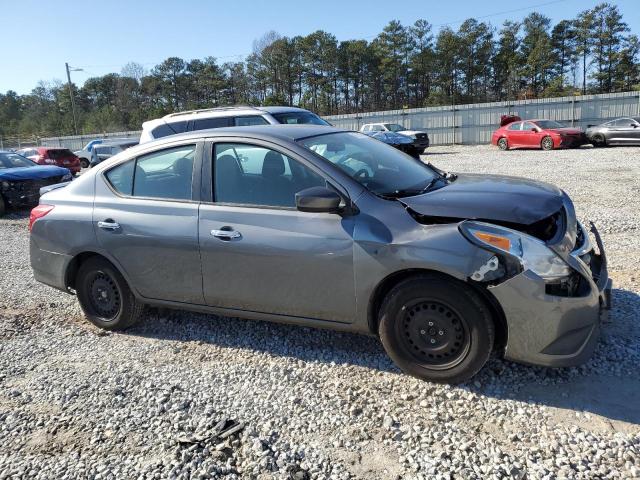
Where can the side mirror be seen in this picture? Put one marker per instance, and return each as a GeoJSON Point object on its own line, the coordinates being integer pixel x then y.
{"type": "Point", "coordinates": [318, 200]}
{"type": "Point", "coordinates": [534, 129]}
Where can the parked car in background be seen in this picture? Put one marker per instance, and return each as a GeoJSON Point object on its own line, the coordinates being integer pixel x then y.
{"type": "Point", "coordinates": [62, 157]}
{"type": "Point", "coordinates": [103, 151]}
{"type": "Point", "coordinates": [85, 154]}
{"type": "Point", "coordinates": [322, 227]}
{"type": "Point", "coordinates": [239, 116]}
{"type": "Point", "coordinates": [621, 131]}
{"type": "Point", "coordinates": [21, 180]}
{"type": "Point", "coordinates": [420, 138]}
{"type": "Point", "coordinates": [396, 140]}
{"type": "Point", "coordinates": [544, 134]}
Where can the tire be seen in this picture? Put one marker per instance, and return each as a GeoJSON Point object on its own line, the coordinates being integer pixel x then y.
{"type": "Point", "coordinates": [547, 143]}
{"type": "Point", "coordinates": [503, 144]}
{"type": "Point", "coordinates": [436, 328]}
{"type": "Point", "coordinates": [84, 163]}
{"type": "Point", "coordinates": [3, 206]}
{"type": "Point", "coordinates": [598, 141]}
{"type": "Point", "coordinates": [105, 297]}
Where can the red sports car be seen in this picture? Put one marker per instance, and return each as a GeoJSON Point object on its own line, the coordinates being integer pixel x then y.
{"type": "Point", "coordinates": [545, 134]}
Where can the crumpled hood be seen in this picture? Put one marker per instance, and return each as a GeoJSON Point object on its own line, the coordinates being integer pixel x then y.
{"type": "Point", "coordinates": [32, 173]}
{"type": "Point", "coordinates": [490, 197]}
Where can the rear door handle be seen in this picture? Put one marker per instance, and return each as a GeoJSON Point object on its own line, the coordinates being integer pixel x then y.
{"type": "Point", "coordinates": [109, 224]}
{"type": "Point", "coordinates": [225, 233]}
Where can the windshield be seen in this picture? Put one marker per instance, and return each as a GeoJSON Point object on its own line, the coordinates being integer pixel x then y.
{"type": "Point", "coordinates": [547, 124]}
{"type": "Point", "coordinates": [377, 166]}
{"type": "Point", "coordinates": [13, 160]}
{"type": "Point", "coordinates": [394, 127]}
{"type": "Point", "coordinates": [299, 118]}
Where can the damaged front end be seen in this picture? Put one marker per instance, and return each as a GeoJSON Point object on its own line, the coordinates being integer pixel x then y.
{"type": "Point", "coordinates": [553, 293]}
{"type": "Point", "coordinates": [549, 278]}
{"type": "Point", "coordinates": [25, 192]}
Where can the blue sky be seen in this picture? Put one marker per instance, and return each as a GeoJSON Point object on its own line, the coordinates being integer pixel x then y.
{"type": "Point", "coordinates": [38, 37]}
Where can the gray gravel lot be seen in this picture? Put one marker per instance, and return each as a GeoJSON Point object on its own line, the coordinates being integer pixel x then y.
{"type": "Point", "coordinates": [76, 402]}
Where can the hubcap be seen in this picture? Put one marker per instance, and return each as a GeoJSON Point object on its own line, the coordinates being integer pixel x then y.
{"type": "Point", "coordinates": [104, 295]}
{"type": "Point", "coordinates": [434, 334]}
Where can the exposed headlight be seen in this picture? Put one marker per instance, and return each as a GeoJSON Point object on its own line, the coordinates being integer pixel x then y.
{"type": "Point", "coordinates": [5, 184]}
{"type": "Point", "coordinates": [67, 177]}
{"type": "Point", "coordinates": [532, 253]}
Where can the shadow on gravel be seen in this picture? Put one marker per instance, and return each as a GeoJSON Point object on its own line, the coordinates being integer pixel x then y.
{"type": "Point", "coordinates": [607, 385]}
{"type": "Point", "coordinates": [597, 387]}
{"type": "Point", "coordinates": [280, 340]}
{"type": "Point", "coordinates": [16, 214]}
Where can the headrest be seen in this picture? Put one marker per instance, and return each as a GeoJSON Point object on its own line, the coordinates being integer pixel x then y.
{"type": "Point", "coordinates": [273, 165]}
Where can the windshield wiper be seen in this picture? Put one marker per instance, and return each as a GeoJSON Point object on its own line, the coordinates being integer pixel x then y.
{"type": "Point", "coordinates": [410, 192]}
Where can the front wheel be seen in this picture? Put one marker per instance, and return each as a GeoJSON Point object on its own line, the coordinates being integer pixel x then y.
{"type": "Point", "coordinates": [599, 141]}
{"type": "Point", "coordinates": [547, 143]}
{"type": "Point", "coordinates": [105, 297]}
{"type": "Point", "coordinates": [436, 328]}
{"type": "Point", "coordinates": [3, 207]}
{"type": "Point", "coordinates": [84, 163]}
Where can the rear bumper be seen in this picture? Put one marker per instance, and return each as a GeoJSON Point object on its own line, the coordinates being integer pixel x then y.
{"type": "Point", "coordinates": [550, 330]}
{"type": "Point", "coordinates": [48, 267]}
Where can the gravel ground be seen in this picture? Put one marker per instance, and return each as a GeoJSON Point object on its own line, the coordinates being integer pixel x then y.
{"type": "Point", "coordinates": [188, 395]}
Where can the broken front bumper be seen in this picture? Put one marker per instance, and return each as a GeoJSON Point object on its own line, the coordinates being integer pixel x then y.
{"type": "Point", "coordinates": [551, 330]}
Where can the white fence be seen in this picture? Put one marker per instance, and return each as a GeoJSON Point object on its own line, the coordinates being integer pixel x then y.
{"type": "Point", "coordinates": [473, 124]}
{"type": "Point", "coordinates": [458, 124]}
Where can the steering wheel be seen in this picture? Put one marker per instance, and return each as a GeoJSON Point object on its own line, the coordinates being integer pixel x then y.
{"type": "Point", "coordinates": [363, 172]}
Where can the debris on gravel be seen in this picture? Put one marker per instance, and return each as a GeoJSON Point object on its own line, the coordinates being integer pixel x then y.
{"type": "Point", "coordinates": [186, 395]}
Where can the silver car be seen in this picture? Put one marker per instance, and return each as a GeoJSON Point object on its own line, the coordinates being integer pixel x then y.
{"type": "Point", "coordinates": [316, 226]}
{"type": "Point", "coordinates": [621, 131]}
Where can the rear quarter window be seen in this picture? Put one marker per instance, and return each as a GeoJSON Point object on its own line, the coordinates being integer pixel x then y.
{"type": "Point", "coordinates": [121, 177]}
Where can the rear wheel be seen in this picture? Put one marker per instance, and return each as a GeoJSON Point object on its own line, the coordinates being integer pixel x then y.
{"type": "Point", "coordinates": [105, 296]}
{"type": "Point", "coordinates": [547, 143]}
{"type": "Point", "coordinates": [436, 328]}
{"type": "Point", "coordinates": [503, 144]}
{"type": "Point", "coordinates": [84, 163]}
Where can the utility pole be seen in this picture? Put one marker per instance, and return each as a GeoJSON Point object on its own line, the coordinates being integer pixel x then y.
{"type": "Point", "coordinates": [73, 103]}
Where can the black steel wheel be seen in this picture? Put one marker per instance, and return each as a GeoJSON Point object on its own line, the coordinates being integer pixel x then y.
{"type": "Point", "coordinates": [503, 144]}
{"type": "Point", "coordinates": [105, 296]}
{"type": "Point", "coordinates": [436, 328]}
{"type": "Point", "coordinates": [434, 333]}
{"type": "Point", "coordinates": [547, 143]}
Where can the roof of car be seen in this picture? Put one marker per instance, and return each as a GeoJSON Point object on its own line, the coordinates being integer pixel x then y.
{"type": "Point", "coordinates": [233, 110]}
{"type": "Point", "coordinates": [282, 132]}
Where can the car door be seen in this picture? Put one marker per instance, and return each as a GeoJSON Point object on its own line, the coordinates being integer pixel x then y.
{"type": "Point", "coordinates": [261, 254]}
{"type": "Point", "coordinates": [146, 219]}
{"type": "Point", "coordinates": [626, 131]}
{"type": "Point", "coordinates": [514, 134]}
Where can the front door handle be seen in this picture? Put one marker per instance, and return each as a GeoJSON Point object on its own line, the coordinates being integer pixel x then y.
{"type": "Point", "coordinates": [225, 233]}
{"type": "Point", "coordinates": [109, 224]}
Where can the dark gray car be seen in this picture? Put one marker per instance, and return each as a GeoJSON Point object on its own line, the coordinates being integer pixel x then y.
{"type": "Point", "coordinates": [322, 227]}
{"type": "Point", "coordinates": [621, 131]}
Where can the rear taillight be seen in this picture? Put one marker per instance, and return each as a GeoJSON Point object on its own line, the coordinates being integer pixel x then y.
{"type": "Point", "coordinates": [38, 212]}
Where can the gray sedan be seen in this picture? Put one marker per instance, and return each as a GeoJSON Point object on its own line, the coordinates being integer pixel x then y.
{"type": "Point", "coordinates": [322, 227]}
{"type": "Point", "coordinates": [621, 131]}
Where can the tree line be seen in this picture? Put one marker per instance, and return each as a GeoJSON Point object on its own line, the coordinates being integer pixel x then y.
{"type": "Point", "coordinates": [402, 67]}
